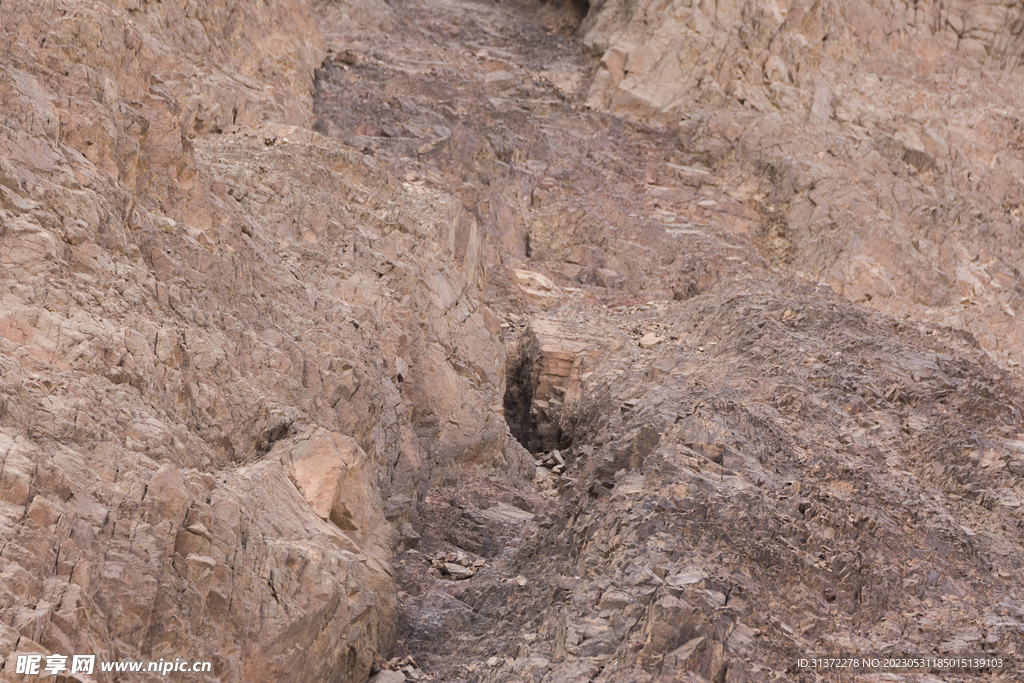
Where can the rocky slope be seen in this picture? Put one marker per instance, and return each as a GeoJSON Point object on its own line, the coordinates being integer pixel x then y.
{"type": "Point", "coordinates": [880, 141]}
{"type": "Point", "coordinates": [290, 289]}
{"type": "Point", "coordinates": [234, 352]}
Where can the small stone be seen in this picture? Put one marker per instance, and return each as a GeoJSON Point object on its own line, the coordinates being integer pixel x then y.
{"type": "Point", "coordinates": [388, 677]}
{"type": "Point", "coordinates": [457, 571]}
{"type": "Point", "coordinates": [650, 339]}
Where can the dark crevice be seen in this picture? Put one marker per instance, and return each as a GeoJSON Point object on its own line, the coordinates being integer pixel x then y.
{"type": "Point", "coordinates": [565, 17]}
{"type": "Point", "coordinates": [279, 428]}
{"type": "Point", "coordinates": [581, 8]}
{"type": "Point", "coordinates": [535, 421]}
{"type": "Point", "coordinates": [518, 397]}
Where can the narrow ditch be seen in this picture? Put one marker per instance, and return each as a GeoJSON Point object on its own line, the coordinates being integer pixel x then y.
{"type": "Point", "coordinates": [510, 584]}
{"type": "Point", "coordinates": [485, 122]}
{"type": "Point", "coordinates": [518, 399]}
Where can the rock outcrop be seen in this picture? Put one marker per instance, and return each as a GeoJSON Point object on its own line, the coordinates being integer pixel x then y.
{"type": "Point", "coordinates": [234, 353]}
{"type": "Point", "coordinates": [900, 190]}
{"type": "Point", "coordinates": [773, 479]}
{"type": "Point", "coordinates": [509, 341]}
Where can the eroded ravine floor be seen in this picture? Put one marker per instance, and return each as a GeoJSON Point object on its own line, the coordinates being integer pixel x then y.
{"type": "Point", "coordinates": [754, 467]}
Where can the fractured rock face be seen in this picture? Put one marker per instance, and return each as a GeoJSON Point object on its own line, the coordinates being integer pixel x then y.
{"type": "Point", "coordinates": [225, 342]}
{"type": "Point", "coordinates": [750, 465]}
{"type": "Point", "coordinates": [547, 369]}
{"type": "Point", "coordinates": [251, 342]}
{"type": "Point", "coordinates": [333, 474]}
{"type": "Point", "coordinates": [913, 213]}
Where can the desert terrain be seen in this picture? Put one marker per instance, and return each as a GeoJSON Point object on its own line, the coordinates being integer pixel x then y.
{"type": "Point", "coordinates": [511, 341]}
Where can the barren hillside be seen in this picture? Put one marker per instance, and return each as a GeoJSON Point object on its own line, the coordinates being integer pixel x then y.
{"type": "Point", "coordinates": [511, 341]}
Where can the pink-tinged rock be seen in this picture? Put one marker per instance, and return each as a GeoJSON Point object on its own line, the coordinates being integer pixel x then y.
{"type": "Point", "coordinates": [167, 496]}
{"type": "Point", "coordinates": [332, 473]}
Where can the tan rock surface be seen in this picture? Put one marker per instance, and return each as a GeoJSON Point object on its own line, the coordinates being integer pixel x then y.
{"type": "Point", "coordinates": [225, 341]}
{"type": "Point", "coordinates": [901, 189]}
{"type": "Point", "coordinates": [260, 264]}
{"type": "Point", "coordinates": [734, 467]}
